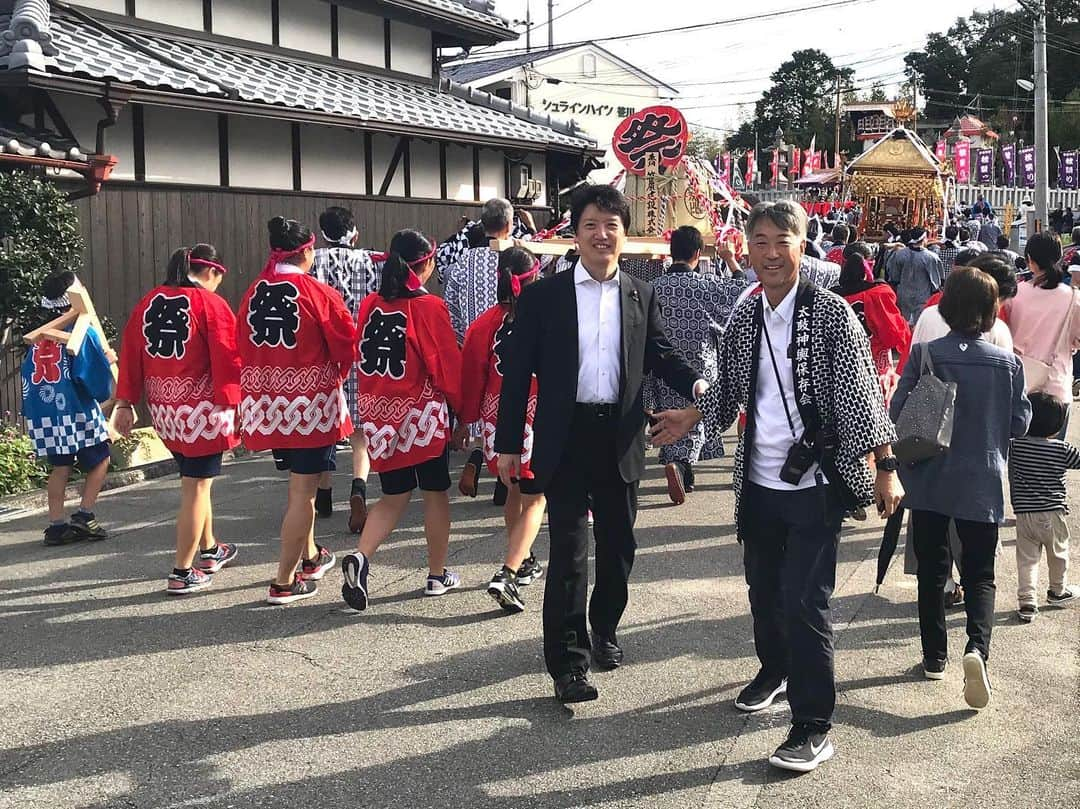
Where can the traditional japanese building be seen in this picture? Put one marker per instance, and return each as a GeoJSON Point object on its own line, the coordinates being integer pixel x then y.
{"type": "Point", "coordinates": [205, 118]}
{"type": "Point", "coordinates": [586, 83]}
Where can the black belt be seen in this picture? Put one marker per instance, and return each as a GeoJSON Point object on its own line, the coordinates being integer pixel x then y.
{"type": "Point", "coordinates": [596, 410]}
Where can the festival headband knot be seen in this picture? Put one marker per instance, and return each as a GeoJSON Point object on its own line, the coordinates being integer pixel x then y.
{"type": "Point", "coordinates": [344, 241]}
{"type": "Point", "coordinates": [412, 280]}
{"type": "Point", "coordinates": [516, 281]}
{"type": "Point", "coordinates": [63, 302]}
{"type": "Point", "coordinates": [205, 262]}
{"type": "Point", "coordinates": [278, 255]}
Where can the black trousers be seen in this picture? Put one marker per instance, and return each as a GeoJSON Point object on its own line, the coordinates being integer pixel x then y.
{"type": "Point", "coordinates": [587, 473]}
{"type": "Point", "coordinates": [978, 542]}
{"type": "Point", "coordinates": [790, 541]}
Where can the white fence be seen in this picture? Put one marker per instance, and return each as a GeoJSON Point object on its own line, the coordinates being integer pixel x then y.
{"type": "Point", "coordinates": [997, 196]}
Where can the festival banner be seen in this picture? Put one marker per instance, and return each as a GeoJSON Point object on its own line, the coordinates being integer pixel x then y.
{"type": "Point", "coordinates": [1027, 166]}
{"type": "Point", "coordinates": [751, 168]}
{"type": "Point", "coordinates": [962, 161]}
{"type": "Point", "coordinates": [1067, 169]}
{"type": "Point", "coordinates": [796, 163]}
{"type": "Point", "coordinates": [984, 166]}
{"type": "Point", "coordinates": [1008, 160]}
{"type": "Point", "coordinates": [775, 166]}
{"type": "Point", "coordinates": [819, 159]}
{"type": "Point", "coordinates": [737, 177]}
{"type": "Point", "coordinates": [811, 157]}
{"type": "Point", "coordinates": [941, 150]}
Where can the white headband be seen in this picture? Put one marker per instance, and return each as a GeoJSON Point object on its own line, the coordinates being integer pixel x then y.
{"type": "Point", "coordinates": [345, 240]}
{"type": "Point", "coordinates": [63, 302]}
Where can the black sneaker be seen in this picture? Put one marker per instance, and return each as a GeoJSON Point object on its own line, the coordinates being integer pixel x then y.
{"type": "Point", "coordinates": [498, 497]}
{"type": "Point", "coordinates": [354, 569]}
{"type": "Point", "coordinates": [1027, 613]}
{"type": "Point", "coordinates": [88, 526]}
{"type": "Point", "coordinates": [62, 535]}
{"type": "Point", "coordinates": [315, 569]}
{"type": "Point", "coordinates": [324, 503]}
{"type": "Point", "coordinates": [470, 475]}
{"type": "Point", "coordinates": [688, 478]}
{"type": "Point", "coordinates": [934, 669]}
{"type": "Point", "coordinates": [976, 681]}
{"type": "Point", "coordinates": [803, 750]}
{"type": "Point", "coordinates": [503, 588]}
{"type": "Point", "coordinates": [1066, 596]}
{"type": "Point", "coordinates": [530, 571]}
{"type": "Point", "coordinates": [760, 693]}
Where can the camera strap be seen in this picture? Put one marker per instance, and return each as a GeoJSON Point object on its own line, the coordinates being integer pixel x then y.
{"type": "Point", "coordinates": [776, 373]}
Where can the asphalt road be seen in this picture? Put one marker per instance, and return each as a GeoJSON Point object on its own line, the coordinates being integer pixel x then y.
{"type": "Point", "coordinates": [118, 696]}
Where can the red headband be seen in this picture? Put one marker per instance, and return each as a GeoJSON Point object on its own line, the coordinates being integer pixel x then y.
{"type": "Point", "coordinates": [202, 262]}
{"type": "Point", "coordinates": [412, 280]}
{"type": "Point", "coordinates": [516, 280]}
{"type": "Point", "coordinates": [277, 256]}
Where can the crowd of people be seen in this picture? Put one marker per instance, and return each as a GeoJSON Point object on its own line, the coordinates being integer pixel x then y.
{"type": "Point", "coordinates": [557, 374]}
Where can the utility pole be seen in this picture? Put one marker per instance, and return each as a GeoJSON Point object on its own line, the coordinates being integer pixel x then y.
{"type": "Point", "coordinates": [528, 27]}
{"type": "Point", "coordinates": [836, 146]}
{"type": "Point", "coordinates": [1042, 150]}
{"type": "Point", "coordinates": [551, 28]}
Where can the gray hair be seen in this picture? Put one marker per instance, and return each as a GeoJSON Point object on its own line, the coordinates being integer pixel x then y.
{"type": "Point", "coordinates": [496, 215]}
{"type": "Point", "coordinates": [785, 214]}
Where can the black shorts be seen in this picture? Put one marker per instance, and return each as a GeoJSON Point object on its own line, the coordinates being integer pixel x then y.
{"type": "Point", "coordinates": [530, 486]}
{"type": "Point", "coordinates": [87, 457]}
{"type": "Point", "coordinates": [430, 476]}
{"type": "Point", "coordinates": [202, 466]}
{"type": "Point", "coordinates": [307, 461]}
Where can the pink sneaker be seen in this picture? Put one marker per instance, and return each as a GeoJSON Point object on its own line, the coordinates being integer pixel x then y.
{"type": "Point", "coordinates": [193, 582]}
{"type": "Point", "coordinates": [315, 569]}
{"type": "Point", "coordinates": [213, 561]}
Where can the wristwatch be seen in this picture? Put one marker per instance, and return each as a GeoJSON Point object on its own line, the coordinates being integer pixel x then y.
{"type": "Point", "coordinates": [888, 464]}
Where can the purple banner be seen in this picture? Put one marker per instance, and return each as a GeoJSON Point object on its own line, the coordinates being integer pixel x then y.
{"type": "Point", "coordinates": [1008, 160]}
{"type": "Point", "coordinates": [1027, 166]}
{"type": "Point", "coordinates": [1067, 170]}
{"type": "Point", "coordinates": [984, 166]}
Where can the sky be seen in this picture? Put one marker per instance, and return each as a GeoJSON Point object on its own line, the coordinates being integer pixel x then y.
{"type": "Point", "coordinates": [872, 36]}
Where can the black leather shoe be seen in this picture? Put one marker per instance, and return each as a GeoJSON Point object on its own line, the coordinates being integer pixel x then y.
{"type": "Point", "coordinates": [574, 687]}
{"type": "Point", "coordinates": [606, 654]}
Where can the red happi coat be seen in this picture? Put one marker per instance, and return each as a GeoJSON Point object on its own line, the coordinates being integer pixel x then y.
{"type": "Point", "coordinates": [179, 351]}
{"type": "Point", "coordinates": [875, 305]}
{"type": "Point", "coordinates": [297, 342]}
{"type": "Point", "coordinates": [481, 383]}
{"type": "Point", "coordinates": [408, 371]}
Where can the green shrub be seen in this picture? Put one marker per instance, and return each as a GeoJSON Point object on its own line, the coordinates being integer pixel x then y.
{"type": "Point", "coordinates": [20, 468]}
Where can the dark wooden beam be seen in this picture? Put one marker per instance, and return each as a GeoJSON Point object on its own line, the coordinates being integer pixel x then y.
{"type": "Point", "coordinates": [442, 170]}
{"type": "Point", "coordinates": [399, 153]}
{"type": "Point", "coordinates": [476, 172]}
{"type": "Point", "coordinates": [369, 169]}
{"type": "Point", "coordinates": [275, 22]}
{"type": "Point", "coordinates": [406, 164]}
{"type": "Point", "coordinates": [386, 44]}
{"type": "Point", "coordinates": [138, 137]}
{"type": "Point", "coordinates": [223, 147]}
{"type": "Point", "coordinates": [129, 7]}
{"type": "Point", "coordinates": [208, 15]}
{"type": "Point", "coordinates": [296, 168]}
{"type": "Point", "coordinates": [334, 31]}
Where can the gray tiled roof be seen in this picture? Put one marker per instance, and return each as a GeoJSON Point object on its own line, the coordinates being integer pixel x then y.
{"type": "Point", "coordinates": [84, 50]}
{"type": "Point", "coordinates": [24, 141]}
{"type": "Point", "coordinates": [457, 9]}
{"type": "Point", "coordinates": [469, 71]}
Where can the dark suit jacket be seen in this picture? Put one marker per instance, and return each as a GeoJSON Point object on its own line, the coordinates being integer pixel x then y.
{"type": "Point", "coordinates": [545, 343]}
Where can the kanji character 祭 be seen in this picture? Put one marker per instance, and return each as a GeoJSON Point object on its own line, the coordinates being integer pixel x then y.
{"type": "Point", "coordinates": [498, 347]}
{"type": "Point", "coordinates": [167, 326]}
{"type": "Point", "coordinates": [651, 132]}
{"type": "Point", "coordinates": [273, 314]}
{"type": "Point", "coordinates": [46, 362]}
{"type": "Point", "coordinates": [382, 347]}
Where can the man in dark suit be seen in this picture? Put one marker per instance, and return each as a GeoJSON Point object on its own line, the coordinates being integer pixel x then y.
{"type": "Point", "coordinates": [589, 335]}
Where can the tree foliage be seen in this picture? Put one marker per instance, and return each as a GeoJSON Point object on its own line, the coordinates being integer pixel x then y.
{"type": "Point", "coordinates": [704, 144]}
{"type": "Point", "coordinates": [39, 235]}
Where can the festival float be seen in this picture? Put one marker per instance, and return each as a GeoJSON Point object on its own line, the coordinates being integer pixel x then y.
{"type": "Point", "coordinates": [666, 189]}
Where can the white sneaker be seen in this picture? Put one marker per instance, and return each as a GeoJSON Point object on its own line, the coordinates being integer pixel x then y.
{"type": "Point", "coordinates": [976, 681]}
{"type": "Point", "coordinates": [437, 586]}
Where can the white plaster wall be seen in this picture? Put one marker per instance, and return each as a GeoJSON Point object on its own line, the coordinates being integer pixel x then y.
{"type": "Point", "coordinates": [260, 153]}
{"type": "Point", "coordinates": [114, 6]}
{"type": "Point", "coordinates": [360, 37]}
{"type": "Point", "coordinates": [82, 114]}
{"type": "Point", "coordinates": [424, 169]}
{"type": "Point", "coordinates": [181, 13]}
{"type": "Point", "coordinates": [492, 174]}
{"type": "Point", "coordinates": [382, 150]}
{"type": "Point", "coordinates": [538, 162]}
{"type": "Point", "coordinates": [242, 19]}
{"type": "Point", "coordinates": [459, 172]}
{"type": "Point", "coordinates": [331, 159]}
{"type": "Point", "coordinates": [181, 146]}
{"type": "Point", "coordinates": [305, 26]}
{"type": "Point", "coordinates": [410, 49]}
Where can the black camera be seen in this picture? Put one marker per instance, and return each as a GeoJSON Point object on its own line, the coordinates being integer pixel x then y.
{"type": "Point", "coordinates": [797, 463]}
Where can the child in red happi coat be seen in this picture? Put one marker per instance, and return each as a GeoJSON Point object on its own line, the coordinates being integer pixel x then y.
{"type": "Point", "coordinates": [179, 352]}
{"type": "Point", "coordinates": [297, 342]}
{"type": "Point", "coordinates": [408, 375]}
{"type": "Point", "coordinates": [487, 341]}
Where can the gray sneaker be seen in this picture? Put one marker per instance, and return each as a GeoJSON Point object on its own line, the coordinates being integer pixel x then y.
{"type": "Point", "coordinates": [1066, 596]}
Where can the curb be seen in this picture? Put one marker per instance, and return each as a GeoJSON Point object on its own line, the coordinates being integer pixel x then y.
{"type": "Point", "coordinates": [35, 499]}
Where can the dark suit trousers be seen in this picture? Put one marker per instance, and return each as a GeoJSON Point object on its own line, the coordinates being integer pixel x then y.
{"type": "Point", "coordinates": [790, 541]}
{"type": "Point", "coordinates": [587, 473]}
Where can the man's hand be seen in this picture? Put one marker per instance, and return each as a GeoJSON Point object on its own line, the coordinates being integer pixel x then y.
{"type": "Point", "coordinates": [671, 425]}
{"type": "Point", "coordinates": [460, 439]}
{"type": "Point", "coordinates": [509, 468]}
{"type": "Point", "coordinates": [123, 419]}
{"type": "Point", "coordinates": [888, 492]}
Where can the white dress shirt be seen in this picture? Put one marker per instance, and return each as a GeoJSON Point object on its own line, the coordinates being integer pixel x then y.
{"type": "Point", "coordinates": [599, 313]}
{"type": "Point", "coordinates": [772, 433]}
